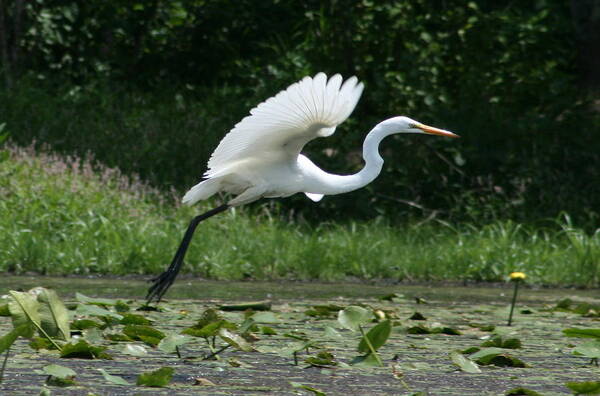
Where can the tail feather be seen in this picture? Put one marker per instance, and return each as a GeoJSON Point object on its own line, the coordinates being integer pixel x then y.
{"type": "Point", "coordinates": [201, 191]}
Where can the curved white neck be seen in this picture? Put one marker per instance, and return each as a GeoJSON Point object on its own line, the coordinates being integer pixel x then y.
{"type": "Point", "coordinates": [338, 184]}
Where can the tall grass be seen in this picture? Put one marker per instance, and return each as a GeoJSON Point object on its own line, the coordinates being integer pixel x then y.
{"type": "Point", "coordinates": [66, 215]}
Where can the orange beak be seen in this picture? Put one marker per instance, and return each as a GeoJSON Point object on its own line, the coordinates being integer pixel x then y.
{"type": "Point", "coordinates": [436, 131]}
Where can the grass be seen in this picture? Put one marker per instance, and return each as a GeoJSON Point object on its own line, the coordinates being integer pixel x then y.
{"type": "Point", "coordinates": [64, 215]}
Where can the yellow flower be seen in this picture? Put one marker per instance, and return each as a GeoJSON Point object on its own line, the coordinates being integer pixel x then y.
{"type": "Point", "coordinates": [517, 276]}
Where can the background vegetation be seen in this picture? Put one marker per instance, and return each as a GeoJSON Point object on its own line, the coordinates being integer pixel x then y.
{"type": "Point", "coordinates": [150, 87]}
{"type": "Point", "coordinates": [63, 216]}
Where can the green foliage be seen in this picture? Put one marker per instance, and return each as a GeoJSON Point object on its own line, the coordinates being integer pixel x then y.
{"type": "Point", "coordinates": [584, 388]}
{"type": "Point", "coordinates": [311, 389]}
{"type": "Point", "coordinates": [58, 371]}
{"type": "Point", "coordinates": [583, 333]}
{"type": "Point", "coordinates": [153, 79]}
{"type": "Point", "coordinates": [134, 320]}
{"type": "Point", "coordinates": [464, 363]}
{"type": "Point", "coordinates": [353, 317]}
{"type": "Point", "coordinates": [147, 334]}
{"type": "Point", "coordinates": [39, 309]}
{"type": "Point", "coordinates": [499, 342]}
{"type": "Point", "coordinates": [115, 379]}
{"type": "Point", "coordinates": [60, 216]}
{"type": "Point", "coordinates": [497, 357]}
{"type": "Point", "coordinates": [376, 336]}
{"type": "Point", "coordinates": [54, 315]}
{"type": "Point", "coordinates": [590, 349]}
{"type": "Point", "coordinates": [172, 342]}
{"type": "Point", "coordinates": [83, 350]}
{"type": "Point", "coordinates": [157, 378]}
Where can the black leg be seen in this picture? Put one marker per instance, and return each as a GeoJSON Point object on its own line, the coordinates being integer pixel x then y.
{"type": "Point", "coordinates": [166, 279]}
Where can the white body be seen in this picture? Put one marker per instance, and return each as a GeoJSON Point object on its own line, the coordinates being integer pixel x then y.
{"type": "Point", "coordinates": [261, 157]}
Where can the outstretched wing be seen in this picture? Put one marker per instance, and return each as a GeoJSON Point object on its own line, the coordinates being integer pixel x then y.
{"type": "Point", "coordinates": [279, 127]}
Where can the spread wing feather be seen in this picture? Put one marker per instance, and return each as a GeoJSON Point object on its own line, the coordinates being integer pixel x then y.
{"type": "Point", "coordinates": [280, 126]}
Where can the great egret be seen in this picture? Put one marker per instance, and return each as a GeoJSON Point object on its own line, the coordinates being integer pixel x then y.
{"type": "Point", "coordinates": [260, 157]}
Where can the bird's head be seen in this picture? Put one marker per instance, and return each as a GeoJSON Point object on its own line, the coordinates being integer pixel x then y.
{"type": "Point", "coordinates": [408, 125]}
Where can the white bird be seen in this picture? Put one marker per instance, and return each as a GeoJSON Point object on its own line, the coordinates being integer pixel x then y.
{"type": "Point", "coordinates": [260, 157]}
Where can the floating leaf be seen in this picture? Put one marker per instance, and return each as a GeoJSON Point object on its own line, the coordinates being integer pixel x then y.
{"type": "Point", "coordinates": [62, 382]}
{"type": "Point", "coordinates": [156, 378]}
{"type": "Point", "coordinates": [83, 350]}
{"type": "Point", "coordinates": [266, 330]}
{"type": "Point", "coordinates": [170, 343]}
{"type": "Point", "coordinates": [590, 349]}
{"type": "Point", "coordinates": [445, 330]}
{"type": "Point", "coordinates": [265, 317]}
{"type": "Point", "coordinates": [210, 330]}
{"type": "Point", "coordinates": [378, 335]}
{"type": "Point", "coordinates": [485, 352]}
{"type": "Point", "coordinates": [83, 324]}
{"type": "Point", "coordinates": [235, 340]}
{"type": "Point", "coordinates": [464, 363]}
{"type": "Point", "coordinates": [147, 334]}
{"type": "Point", "coordinates": [58, 371]}
{"type": "Point", "coordinates": [584, 388]}
{"type": "Point", "coordinates": [420, 329]}
{"type": "Point", "coordinates": [135, 350]}
{"type": "Point", "coordinates": [369, 360]}
{"type": "Point", "coordinates": [94, 310]}
{"type": "Point", "coordinates": [499, 342]}
{"type": "Point", "coordinates": [307, 388]}
{"type": "Point", "coordinates": [391, 297]}
{"type": "Point", "coordinates": [115, 379]}
{"type": "Point", "coordinates": [118, 337]}
{"type": "Point", "coordinates": [322, 359]}
{"type": "Point", "coordinates": [417, 316]}
{"type": "Point", "coordinates": [353, 316]}
{"type": "Point", "coordinates": [323, 311]}
{"type": "Point", "coordinates": [330, 332]}
{"type": "Point", "coordinates": [583, 333]}
{"type": "Point", "coordinates": [496, 357]}
{"type": "Point", "coordinates": [134, 319]}
{"type": "Point", "coordinates": [59, 375]}
{"type": "Point", "coordinates": [93, 335]}
{"type": "Point", "coordinates": [53, 315]}
{"type": "Point", "coordinates": [470, 350]}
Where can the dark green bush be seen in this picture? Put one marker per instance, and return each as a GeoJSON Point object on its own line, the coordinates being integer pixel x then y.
{"type": "Point", "coordinates": [152, 86]}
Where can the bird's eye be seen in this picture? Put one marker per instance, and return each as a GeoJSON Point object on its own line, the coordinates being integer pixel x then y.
{"type": "Point", "coordinates": [412, 126]}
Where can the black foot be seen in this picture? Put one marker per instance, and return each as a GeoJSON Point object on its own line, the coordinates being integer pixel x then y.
{"type": "Point", "coordinates": [162, 282]}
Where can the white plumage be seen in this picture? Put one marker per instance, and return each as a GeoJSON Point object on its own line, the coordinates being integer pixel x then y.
{"type": "Point", "coordinates": [260, 156]}
{"type": "Point", "coordinates": [274, 134]}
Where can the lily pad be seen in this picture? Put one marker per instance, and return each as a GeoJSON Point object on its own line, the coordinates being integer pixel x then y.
{"type": "Point", "coordinates": [115, 379]}
{"type": "Point", "coordinates": [157, 378]}
{"type": "Point", "coordinates": [170, 343]}
{"type": "Point", "coordinates": [353, 316]}
{"type": "Point", "coordinates": [83, 350]}
{"type": "Point", "coordinates": [464, 363]}
{"type": "Point", "coordinates": [59, 371]}
{"type": "Point", "coordinates": [584, 388]}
